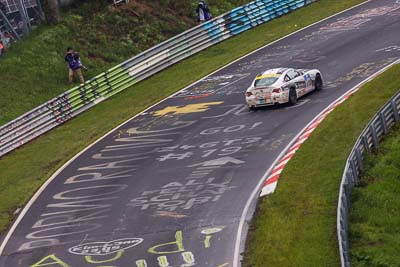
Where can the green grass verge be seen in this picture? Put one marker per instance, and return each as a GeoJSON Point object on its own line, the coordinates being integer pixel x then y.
{"type": "Point", "coordinates": [375, 212]}
{"type": "Point", "coordinates": [24, 170]}
{"type": "Point", "coordinates": [296, 226]}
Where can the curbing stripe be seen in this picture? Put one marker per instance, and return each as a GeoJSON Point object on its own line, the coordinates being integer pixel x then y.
{"type": "Point", "coordinates": [306, 133]}
{"type": "Point", "coordinates": [268, 189]}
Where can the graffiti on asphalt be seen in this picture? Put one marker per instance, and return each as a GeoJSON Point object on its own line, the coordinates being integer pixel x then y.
{"type": "Point", "coordinates": [211, 85]}
{"type": "Point", "coordinates": [191, 108]}
{"type": "Point", "coordinates": [164, 253]}
{"type": "Point", "coordinates": [389, 48]}
{"type": "Point", "coordinates": [200, 188]}
{"type": "Point", "coordinates": [104, 248]}
{"type": "Point", "coordinates": [84, 201]}
{"type": "Point", "coordinates": [353, 22]}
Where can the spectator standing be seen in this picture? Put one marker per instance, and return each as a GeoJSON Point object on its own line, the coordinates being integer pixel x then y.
{"type": "Point", "coordinates": [74, 65]}
{"type": "Point", "coordinates": [203, 12]}
{"type": "Point", "coordinates": [6, 39]}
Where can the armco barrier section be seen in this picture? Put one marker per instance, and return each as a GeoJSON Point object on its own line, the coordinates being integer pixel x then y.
{"type": "Point", "coordinates": [78, 99]}
{"type": "Point", "coordinates": [368, 140]}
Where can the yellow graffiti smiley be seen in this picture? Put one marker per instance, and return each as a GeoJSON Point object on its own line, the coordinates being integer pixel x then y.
{"type": "Point", "coordinates": [191, 108]}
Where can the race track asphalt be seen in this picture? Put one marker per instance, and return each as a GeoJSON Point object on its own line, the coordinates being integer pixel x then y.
{"type": "Point", "coordinates": [168, 187]}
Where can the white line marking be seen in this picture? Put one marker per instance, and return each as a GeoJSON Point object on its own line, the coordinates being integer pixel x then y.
{"type": "Point", "coordinates": [282, 163]}
{"type": "Point", "coordinates": [301, 102]}
{"type": "Point", "coordinates": [229, 84]}
{"type": "Point", "coordinates": [279, 171]}
{"type": "Point", "coordinates": [43, 187]}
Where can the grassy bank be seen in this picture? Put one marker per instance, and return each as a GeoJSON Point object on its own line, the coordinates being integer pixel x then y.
{"type": "Point", "coordinates": [296, 226]}
{"type": "Point", "coordinates": [34, 71]}
{"type": "Point", "coordinates": [375, 212]}
{"type": "Point", "coordinates": [24, 170]}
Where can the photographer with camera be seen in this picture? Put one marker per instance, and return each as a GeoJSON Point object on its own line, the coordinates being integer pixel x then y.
{"type": "Point", "coordinates": [74, 65]}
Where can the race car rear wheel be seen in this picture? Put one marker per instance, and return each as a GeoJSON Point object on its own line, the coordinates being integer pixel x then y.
{"type": "Point", "coordinates": [318, 82]}
{"type": "Point", "coordinates": [292, 96]}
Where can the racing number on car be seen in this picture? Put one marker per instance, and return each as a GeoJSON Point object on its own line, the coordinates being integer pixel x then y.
{"type": "Point", "coordinates": [308, 80]}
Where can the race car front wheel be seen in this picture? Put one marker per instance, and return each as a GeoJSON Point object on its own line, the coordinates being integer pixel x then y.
{"type": "Point", "coordinates": [318, 83]}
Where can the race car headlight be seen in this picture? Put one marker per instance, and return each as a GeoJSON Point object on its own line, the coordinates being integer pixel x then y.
{"type": "Point", "coordinates": [248, 94]}
{"type": "Point", "coordinates": [276, 90]}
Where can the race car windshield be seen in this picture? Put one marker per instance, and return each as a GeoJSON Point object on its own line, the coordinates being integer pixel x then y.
{"type": "Point", "coordinates": [267, 81]}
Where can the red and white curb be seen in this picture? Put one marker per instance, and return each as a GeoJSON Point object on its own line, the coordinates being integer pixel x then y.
{"type": "Point", "coordinates": [272, 180]}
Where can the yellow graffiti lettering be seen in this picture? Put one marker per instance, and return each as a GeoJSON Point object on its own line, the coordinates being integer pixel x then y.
{"type": "Point", "coordinates": [208, 232]}
{"type": "Point", "coordinates": [54, 261]}
{"type": "Point", "coordinates": [163, 261]}
{"type": "Point", "coordinates": [191, 108]}
{"type": "Point", "coordinates": [188, 257]}
{"type": "Point", "coordinates": [178, 242]}
{"type": "Point", "coordinates": [207, 241]}
{"type": "Point", "coordinates": [141, 263]}
{"type": "Point", "coordinates": [89, 259]}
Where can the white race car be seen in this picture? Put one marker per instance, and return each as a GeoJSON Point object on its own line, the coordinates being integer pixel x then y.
{"type": "Point", "coordinates": [283, 85]}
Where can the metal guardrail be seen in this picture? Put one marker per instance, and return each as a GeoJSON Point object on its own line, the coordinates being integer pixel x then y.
{"type": "Point", "coordinates": [78, 99]}
{"type": "Point", "coordinates": [367, 141]}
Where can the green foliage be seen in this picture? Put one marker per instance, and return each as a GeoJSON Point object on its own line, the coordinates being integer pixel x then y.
{"type": "Point", "coordinates": [375, 211]}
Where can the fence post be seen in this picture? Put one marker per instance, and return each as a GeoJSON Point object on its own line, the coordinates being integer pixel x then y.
{"type": "Point", "coordinates": [374, 136]}
{"type": "Point", "coordinates": [354, 170]}
{"type": "Point", "coordinates": [365, 142]}
{"type": "Point", "coordinates": [24, 16]}
{"type": "Point", "coordinates": [383, 121]}
{"type": "Point", "coordinates": [394, 108]}
{"type": "Point", "coordinates": [359, 159]}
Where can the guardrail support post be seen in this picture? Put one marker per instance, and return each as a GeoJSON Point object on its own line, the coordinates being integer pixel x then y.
{"type": "Point", "coordinates": [395, 111]}
{"type": "Point", "coordinates": [365, 142]}
{"type": "Point", "coordinates": [359, 159]}
{"type": "Point", "coordinates": [374, 135]}
{"type": "Point", "coordinates": [354, 170]}
{"type": "Point", "coordinates": [383, 121]}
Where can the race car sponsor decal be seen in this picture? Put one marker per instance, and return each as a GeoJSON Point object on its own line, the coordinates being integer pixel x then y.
{"type": "Point", "coordinates": [267, 76]}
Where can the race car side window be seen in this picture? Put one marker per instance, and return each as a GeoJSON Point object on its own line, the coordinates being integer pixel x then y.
{"type": "Point", "coordinates": [292, 74]}
{"type": "Point", "coordinates": [286, 79]}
